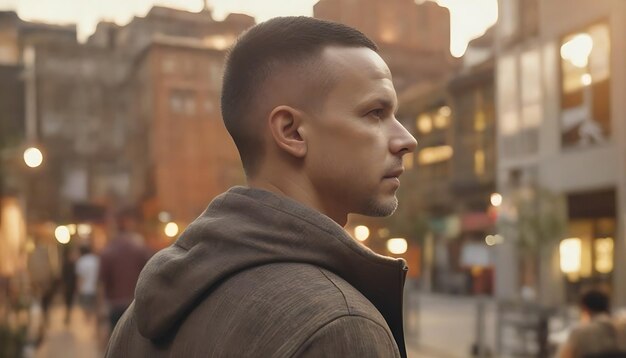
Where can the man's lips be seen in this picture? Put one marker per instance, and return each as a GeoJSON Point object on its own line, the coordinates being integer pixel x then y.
{"type": "Point", "coordinates": [394, 174]}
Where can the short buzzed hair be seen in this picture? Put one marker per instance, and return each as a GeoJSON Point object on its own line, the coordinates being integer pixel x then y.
{"type": "Point", "coordinates": [261, 53]}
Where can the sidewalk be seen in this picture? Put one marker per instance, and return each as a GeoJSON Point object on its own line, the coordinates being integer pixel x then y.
{"type": "Point", "coordinates": [77, 340]}
{"type": "Point", "coordinates": [417, 351]}
{"type": "Point", "coordinates": [444, 326]}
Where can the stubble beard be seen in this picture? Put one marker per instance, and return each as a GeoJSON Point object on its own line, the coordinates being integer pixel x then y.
{"type": "Point", "coordinates": [380, 208]}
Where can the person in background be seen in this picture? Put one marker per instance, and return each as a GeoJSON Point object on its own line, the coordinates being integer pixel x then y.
{"type": "Point", "coordinates": [87, 267]}
{"type": "Point", "coordinates": [68, 277]}
{"type": "Point", "coordinates": [44, 272]}
{"type": "Point", "coordinates": [121, 261]}
{"type": "Point", "coordinates": [598, 334]}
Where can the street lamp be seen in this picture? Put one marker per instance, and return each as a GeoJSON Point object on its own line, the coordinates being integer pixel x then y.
{"type": "Point", "coordinates": [171, 229]}
{"type": "Point", "coordinates": [62, 234]}
{"type": "Point", "coordinates": [496, 199]}
{"type": "Point", "coordinates": [361, 232]}
{"type": "Point", "coordinates": [33, 157]}
{"type": "Point", "coordinates": [397, 245]}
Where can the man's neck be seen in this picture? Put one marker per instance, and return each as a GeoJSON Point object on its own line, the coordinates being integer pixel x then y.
{"type": "Point", "coordinates": [297, 192]}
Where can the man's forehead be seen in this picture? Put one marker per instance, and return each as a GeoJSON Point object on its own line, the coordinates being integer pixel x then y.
{"type": "Point", "coordinates": [360, 60]}
{"type": "Point", "coordinates": [360, 73]}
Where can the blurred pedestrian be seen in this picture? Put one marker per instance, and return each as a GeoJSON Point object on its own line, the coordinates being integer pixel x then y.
{"type": "Point", "coordinates": [87, 267]}
{"type": "Point", "coordinates": [121, 261]}
{"type": "Point", "coordinates": [268, 270]}
{"type": "Point", "coordinates": [43, 269]}
{"type": "Point", "coordinates": [68, 278]}
{"type": "Point", "coordinates": [598, 335]}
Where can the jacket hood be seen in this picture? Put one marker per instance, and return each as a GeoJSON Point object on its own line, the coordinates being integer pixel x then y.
{"type": "Point", "coordinates": [244, 228]}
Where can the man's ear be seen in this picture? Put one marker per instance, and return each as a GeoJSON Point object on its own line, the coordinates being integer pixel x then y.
{"type": "Point", "coordinates": [286, 127]}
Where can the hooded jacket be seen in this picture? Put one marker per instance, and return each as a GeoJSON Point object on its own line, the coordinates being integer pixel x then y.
{"type": "Point", "coordinates": [261, 275]}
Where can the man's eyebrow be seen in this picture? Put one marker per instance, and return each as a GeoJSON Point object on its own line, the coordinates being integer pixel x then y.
{"type": "Point", "coordinates": [385, 102]}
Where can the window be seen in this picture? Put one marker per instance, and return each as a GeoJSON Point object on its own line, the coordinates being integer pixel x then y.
{"type": "Point", "coordinates": [520, 97]}
{"type": "Point", "coordinates": [183, 102]}
{"type": "Point", "coordinates": [509, 21]}
{"type": "Point", "coordinates": [519, 19]}
{"type": "Point", "coordinates": [215, 75]}
{"type": "Point", "coordinates": [483, 118]}
{"type": "Point", "coordinates": [176, 103]}
{"type": "Point", "coordinates": [531, 101]}
{"type": "Point", "coordinates": [209, 106]}
{"type": "Point", "coordinates": [438, 118]}
{"type": "Point", "coordinates": [585, 87]}
{"type": "Point", "coordinates": [407, 160]}
{"type": "Point", "coordinates": [479, 162]}
{"type": "Point", "coordinates": [432, 155]}
{"type": "Point", "coordinates": [168, 64]}
{"type": "Point", "coordinates": [424, 123]}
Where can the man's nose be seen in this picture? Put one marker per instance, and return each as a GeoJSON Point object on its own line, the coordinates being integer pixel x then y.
{"type": "Point", "coordinates": [403, 141]}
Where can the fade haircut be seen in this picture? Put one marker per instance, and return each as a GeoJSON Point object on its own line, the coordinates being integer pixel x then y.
{"type": "Point", "coordinates": [263, 52]}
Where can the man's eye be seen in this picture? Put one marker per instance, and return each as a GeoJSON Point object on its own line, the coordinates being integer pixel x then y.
{"type": "Point", "coordinates": [377, 113]}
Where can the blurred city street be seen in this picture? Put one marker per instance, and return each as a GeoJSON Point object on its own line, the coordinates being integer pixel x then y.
{"type": "Point", "coordinates": [78, 339]}
{"type": "Point", "coordinates": [434, 321]}
{"type": "Point", "coordinates": [511, 208]}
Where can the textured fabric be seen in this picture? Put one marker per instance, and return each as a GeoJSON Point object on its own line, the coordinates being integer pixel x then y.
{"type": "Point", "coordinates": [264, 276]}
{"type": "Point", "coordinates": [601, 335]}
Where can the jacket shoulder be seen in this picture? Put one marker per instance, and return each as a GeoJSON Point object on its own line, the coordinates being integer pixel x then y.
{"type": "Point", "coordinates": [275, 309]}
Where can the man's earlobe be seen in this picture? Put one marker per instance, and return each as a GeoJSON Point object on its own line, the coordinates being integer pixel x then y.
{"type": "Point", "coordinates": [286, 127]}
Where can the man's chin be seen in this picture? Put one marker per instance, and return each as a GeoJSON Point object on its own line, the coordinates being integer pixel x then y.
{"type": "Point", "coordinates": [381, 207]}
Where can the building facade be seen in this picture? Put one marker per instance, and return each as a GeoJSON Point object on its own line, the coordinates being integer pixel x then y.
{"type": "Point", "coordinates": [414, 39]}
{"type": "Point", "coordinates": [180, 154]}
{"type": "Point", "coordinates": [183, 156]}
{"type": "Point", "coordinates": [561, 130]}
{"type": "Point", "coordinates": [131, 117]}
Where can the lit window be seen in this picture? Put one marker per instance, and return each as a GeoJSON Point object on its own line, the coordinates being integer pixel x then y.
{"type": "Point", "coordinates": [424, 123]}
{"type": "Point", "coordinates": [407, 160]}
{"type": "Point", "coordinates": [479, 120]}
{"type": "Point", "coordinates": [603, 254]}
{"type": "Point", "coordinates": [219, 42]}
{"type": "Point", "coordinates": [585, 86]}
{"type": "Point", "coordinates": [442, 117]}
{"type": "Point", "coordinates": [431, 155]}
{"type": "Point", "coordinates": [479, 162]}
{"type": "Point", "coordinates": [570, 251]}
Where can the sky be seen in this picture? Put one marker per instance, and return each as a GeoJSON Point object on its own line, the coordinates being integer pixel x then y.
{"type": "Point", "coordinates": [469, 18]}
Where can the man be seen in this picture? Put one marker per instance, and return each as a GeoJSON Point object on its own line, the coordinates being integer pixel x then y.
{"type": "Point", "coordinates": [267, 270]}
{"type": "Point", "coordinates": [121, 261]}
{"type": "Point", "coordinates": [598, 335]}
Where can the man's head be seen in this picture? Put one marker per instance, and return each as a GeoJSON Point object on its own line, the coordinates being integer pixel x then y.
{"type": "Point", "coordinates": [595, 301]}
{"type": "Point", "coordinates": [127, 219]}
{"type": "Point", "coordinates": [286, 49]}
{"type": "Point", "coordinates": [310, 105]}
